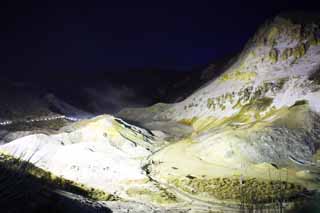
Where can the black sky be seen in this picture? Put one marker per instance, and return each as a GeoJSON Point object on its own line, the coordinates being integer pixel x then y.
{"type": "Point", "coordinates": [93, 36]}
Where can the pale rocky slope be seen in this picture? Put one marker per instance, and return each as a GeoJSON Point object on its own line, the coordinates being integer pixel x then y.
{"type": "Point", "coordinates": [270, 95]}
{"type": "Point", "coordinates": [259, 119]}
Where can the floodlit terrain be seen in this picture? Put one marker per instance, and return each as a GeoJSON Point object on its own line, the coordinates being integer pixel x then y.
{"type": "Point", "coordinates": [247, 139]}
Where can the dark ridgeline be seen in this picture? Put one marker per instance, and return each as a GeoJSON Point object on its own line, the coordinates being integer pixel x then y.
{"type": "Point", "coordinates": [107, 92]}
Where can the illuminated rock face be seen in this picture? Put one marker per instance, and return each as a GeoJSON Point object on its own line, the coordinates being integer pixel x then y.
{"type": "Point", "coordinates": [256, 128]}
{"type": "Point", "coordinates": [255, 76]}
{"type": "Point", "coordinates": [268, 98]}
{"type": "Point", "coordinates": [103, 153]}
{"type": "Point", "coordinates": [259, 119]}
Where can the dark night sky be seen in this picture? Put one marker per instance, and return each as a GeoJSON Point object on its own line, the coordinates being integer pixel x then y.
{"type": "Point", "coordinates": [73, 36]}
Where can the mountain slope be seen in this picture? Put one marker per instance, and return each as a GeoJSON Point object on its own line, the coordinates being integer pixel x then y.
{"type": "Point", "coordinates": [249, 138]}
{"type": "Point", "coordinates": [260, 117]}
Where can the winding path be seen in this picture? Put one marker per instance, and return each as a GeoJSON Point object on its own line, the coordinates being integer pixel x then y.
{"type": "Point", "coordinates": [39, 119]}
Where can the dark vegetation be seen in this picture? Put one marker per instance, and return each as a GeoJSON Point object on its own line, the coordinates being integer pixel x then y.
{"type": "Point", "coordinates": [27, 189]}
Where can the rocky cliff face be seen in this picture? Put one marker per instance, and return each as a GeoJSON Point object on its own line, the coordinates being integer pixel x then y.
{"type": "Point", "coordinates": [258, 119]}
{"type": "Point", "coordinates": [270, 94]}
